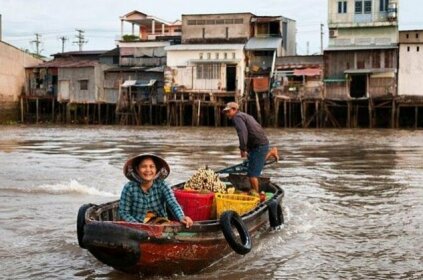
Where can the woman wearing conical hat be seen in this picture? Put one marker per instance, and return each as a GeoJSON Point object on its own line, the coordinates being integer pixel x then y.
{"type": "Point", "coordinates": [146, 195]}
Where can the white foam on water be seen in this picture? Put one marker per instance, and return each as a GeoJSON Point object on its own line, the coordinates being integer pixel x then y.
{"type": "Point", "coordinates": [72, 187]}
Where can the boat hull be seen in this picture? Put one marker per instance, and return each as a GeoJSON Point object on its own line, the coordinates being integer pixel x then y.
{"type": "Point", "coordinates": [163, 249]}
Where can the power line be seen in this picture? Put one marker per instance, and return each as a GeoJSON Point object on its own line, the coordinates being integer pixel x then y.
{"type": "Point", "coordinates": [80, 37]}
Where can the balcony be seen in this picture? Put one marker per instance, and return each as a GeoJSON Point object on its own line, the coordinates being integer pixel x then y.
{"type": "Point", "coordinates": [374, 19]}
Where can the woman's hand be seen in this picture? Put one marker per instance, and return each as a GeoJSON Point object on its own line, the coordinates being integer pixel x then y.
{"type": "Point", "coordinates": [187, 221]}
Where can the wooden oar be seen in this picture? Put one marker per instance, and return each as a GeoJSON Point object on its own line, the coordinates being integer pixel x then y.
{"type": "Point", "coordinates": [242, 167]}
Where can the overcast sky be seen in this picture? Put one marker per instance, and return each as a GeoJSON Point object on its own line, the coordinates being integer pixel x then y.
{"type": "Point", "coordinates": [21, 19]}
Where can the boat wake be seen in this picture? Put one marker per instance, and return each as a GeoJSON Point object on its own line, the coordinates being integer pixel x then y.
{"type": "Point", "coordinates": [71, 187]}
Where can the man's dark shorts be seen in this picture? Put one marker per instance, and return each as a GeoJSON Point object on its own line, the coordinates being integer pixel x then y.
{"type": "Point", "coordinates": [256, 160]}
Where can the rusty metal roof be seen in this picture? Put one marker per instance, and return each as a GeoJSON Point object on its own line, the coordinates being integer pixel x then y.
{"type": "Point", "coordinates": [67, 63]}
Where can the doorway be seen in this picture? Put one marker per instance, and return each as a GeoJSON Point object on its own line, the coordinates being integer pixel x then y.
{"type": "Point", "coordinates": [358, 86]}
{"type": "Point", "coordinates": [230, 77]}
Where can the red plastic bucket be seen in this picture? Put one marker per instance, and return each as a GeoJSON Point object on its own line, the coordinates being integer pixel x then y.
{"type": "Point", "coordinates": [196, 205]}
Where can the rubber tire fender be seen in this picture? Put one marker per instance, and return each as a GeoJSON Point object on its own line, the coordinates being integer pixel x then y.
{"type": "Point", "coordinates": [113, 244]}
{"type": "Point", "coordinates": [80, 223]}
{"type": "Point", "coordinates": [275, 213]}
{"type": "Point", "coordinates": [229, 219]}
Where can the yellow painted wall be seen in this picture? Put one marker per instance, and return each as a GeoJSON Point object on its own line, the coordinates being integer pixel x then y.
{"type": "Point", "coordinates": [12, 78]}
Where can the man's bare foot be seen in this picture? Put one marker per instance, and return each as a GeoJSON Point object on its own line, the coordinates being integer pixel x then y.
{"type": "Point", "coordinates": [273, 152]}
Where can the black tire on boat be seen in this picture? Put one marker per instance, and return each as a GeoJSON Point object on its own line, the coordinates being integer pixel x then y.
{"type": "Point", "coordinates": [114, 245]}
{"type": "Point", "coordinates": [80, 223]}
{"type": "Point", "coordinates": [275, 213]}
{"type": "Point", "coordinates": [229, 219]}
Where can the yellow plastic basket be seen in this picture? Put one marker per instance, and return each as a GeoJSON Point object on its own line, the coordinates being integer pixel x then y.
{"type": "Point", "coordinates": [236, 202]}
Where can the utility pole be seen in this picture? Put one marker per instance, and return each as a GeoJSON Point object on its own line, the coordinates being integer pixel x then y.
{"type": "Point", "coordinates": [63, 39]}
{"type": "Point", "coordinates": [321, 38]}
{"type": "Point", "coordinates": [0, 27]}
{"type": "Point", "coordinates": [37, 43]}
{"type": "Point", "coordinates": [308, 47]}
{"type": "Point", "coordinates": [80, 38]}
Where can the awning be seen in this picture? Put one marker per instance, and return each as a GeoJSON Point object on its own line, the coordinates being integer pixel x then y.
{"type": "Point", "coordinates": [307, 72]}
{"type": "Point", "coordinates": [138, 83]}
{"type": "Point", "coordinates": [263, 44]}
{"type": "Point", "coordinates": [129, 83]}
{"type": "Point", "coordinates": [389, 74]}
{"type": "Point", "coordinates": [370, 71]}
{"type": "Point", "coordinates": [334, 80]}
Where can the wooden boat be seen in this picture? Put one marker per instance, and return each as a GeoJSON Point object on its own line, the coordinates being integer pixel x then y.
{"type": "Point", "coordinates": [171, 247]}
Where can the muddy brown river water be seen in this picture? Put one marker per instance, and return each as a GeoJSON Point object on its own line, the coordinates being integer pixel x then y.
{"type": "Point", "coordinates": [353, 199]}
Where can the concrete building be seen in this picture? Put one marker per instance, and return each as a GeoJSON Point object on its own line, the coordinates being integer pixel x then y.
{"type": "Point", "coordinates": [12, 79]}
{"type": "Point", "coordinates": [361, 60]}
{"type": "Point", "coordinates": [410, 63]}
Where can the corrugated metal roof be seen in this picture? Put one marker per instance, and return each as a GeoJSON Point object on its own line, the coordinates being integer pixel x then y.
{"type": "Point", "coordinates": [370, 70]}
{"type": "Point", "coordinates": [271, 43]}
{"type": "Point", "coordinates": [67, 63]}
{"type": "Point", "coordinates": [307, 72]}
{"type": "Point", "coordinates": [193, 47]}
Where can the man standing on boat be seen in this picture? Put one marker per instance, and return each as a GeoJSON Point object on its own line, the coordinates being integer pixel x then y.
{"type": "Point", "coordinates": [253, 142]}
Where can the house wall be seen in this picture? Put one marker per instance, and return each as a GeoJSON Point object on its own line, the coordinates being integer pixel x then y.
{"type": "Point", "coordinates": [374, 61]}
{"type": "Point", "coordinates": [351, 18]}
{"type": "Point", "coordinates": [214, 26]}
{"type": "Point", "coordinates": [74, 75]}
{"type": "Point", "coordinates": [410, 64]}
{"type": "Point", "coordinates": [12, 79]}
{"type": "Point", "coordinates": [385, 35]}
{"type": "Point", "coordinates": [289, 38]}
{"type": "Point", "coordinates": [184, 69]}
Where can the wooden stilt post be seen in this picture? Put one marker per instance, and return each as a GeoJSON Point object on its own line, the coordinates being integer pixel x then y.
{"type": "Point", "coordinates": [22, 109]}
{"type": "Point", "coordinates": [199, 112]}
{"type": "Point", "coordinates": [276, 112]}
{"type": "Point", "coordinates": [370, 113]}
{"type": "Point", "coordinates": [36, 108]}
{"type": "Point", "coordinates": [397, 125]}
{"type": "Point", "coordinates": [303, 113]}
{"type": "Point", "coordinates": [99, 113]}
{"type": "Point", "coordinates": [258, 108]}
{"type": "Point", "coordinates": [285, 120]}
{"type": "Point", "coordinates": [416, 116]}
{"type": "Point", "coordinates": [393, 111]}
{"type": "Point", "coordinates": [68, 113]}
{"type": "Point", "coordinates": [316, 108]}
{"type": "Point", "coordinates": [52, 110]}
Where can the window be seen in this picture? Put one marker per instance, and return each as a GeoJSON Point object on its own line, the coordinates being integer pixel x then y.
{"type": "Point", "coordinates": [225, 55]}
{"type": "Point", "coordinates": [239, 21]}
{"type": "Point", "coordinates": [233, 55]}
{"type": "Point", "coordinates": [204, 33]}
{"type": "Point", "coordinates": [217, 55]}
{"type": "Point", "coordinates": [408, 48]}
{"type": "Point", "coordinates": [383, 6]}
{"type": "Point", "coordinates": [227, 32]}
{"type": "Point", "coordinates": [192, 22]}
{"type": "Point", "coordinates": [418, 49]}
{"type": "Point", "coordinates": [358, 7]}
{"type": "Point", "coordinates": [201, 55]}
{"type": "Point", "coordinates": [367, 7]}
{"type": "Point", "coordinates": [342, 7]}
{"type": "Point", "coordinates": [220, 21]}
{"type": "Point", "coordinates": [407, 36]}
{"type": "Point", "coordinates": [208, 71]}
{"type": "Point", "coordinates": [83, 84]}
{"type": "Point", "coordinates": [208, 55]}
{"type": "Point", "coordinates": [417, 35]}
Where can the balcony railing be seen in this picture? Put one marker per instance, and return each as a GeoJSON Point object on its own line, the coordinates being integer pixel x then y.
{"type": "Point", "coordinates": [142, 61]}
